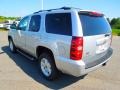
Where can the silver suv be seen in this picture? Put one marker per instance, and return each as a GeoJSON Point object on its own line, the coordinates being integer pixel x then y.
{"type": "Point", "coordinates": [69, 40]}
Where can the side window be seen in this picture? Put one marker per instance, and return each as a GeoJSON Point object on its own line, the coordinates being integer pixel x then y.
{"type": "Point", "coordinates": [35, 23]}
{"type": "Point", "coordinates": [59, 23]}
{"type": "Point", "coordinates": [23, 24]}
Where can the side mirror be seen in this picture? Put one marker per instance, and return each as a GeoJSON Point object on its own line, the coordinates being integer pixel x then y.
{"type": "Point", "coordinates": [13, 26]}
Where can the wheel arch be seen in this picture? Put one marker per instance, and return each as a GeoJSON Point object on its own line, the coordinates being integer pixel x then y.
{"type": "Point", "coordinates": [42, 49]}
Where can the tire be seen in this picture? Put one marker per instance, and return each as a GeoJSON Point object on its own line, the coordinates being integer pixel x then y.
{"type": "Point", "coordinates": [47, 66]}
{"type": "Point", "coordinates": [12, 46]}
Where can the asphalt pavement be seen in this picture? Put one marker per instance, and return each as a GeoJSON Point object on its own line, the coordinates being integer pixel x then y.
{"type": "Point", "coordinates": [19, 73]}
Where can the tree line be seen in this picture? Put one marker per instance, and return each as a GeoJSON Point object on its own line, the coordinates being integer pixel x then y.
{"type": "Point", "coordinates": [3, 19]}
{"type": "Point", "coordinates": [115, 23]}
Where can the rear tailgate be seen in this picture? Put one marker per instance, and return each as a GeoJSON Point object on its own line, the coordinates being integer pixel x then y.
{"type": "Point", "coordinates": [97, 38]}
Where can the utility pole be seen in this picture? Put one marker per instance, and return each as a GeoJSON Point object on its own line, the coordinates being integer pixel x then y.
{"type": "Point", "coordinates": [41, 4]}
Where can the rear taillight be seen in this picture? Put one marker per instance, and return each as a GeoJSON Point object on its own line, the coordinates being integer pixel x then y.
{"type": "Point", "coordinates": [76, 48]}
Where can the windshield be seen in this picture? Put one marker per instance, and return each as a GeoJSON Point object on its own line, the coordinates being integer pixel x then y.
{"type": "Point", "coordinates": [94, 25]}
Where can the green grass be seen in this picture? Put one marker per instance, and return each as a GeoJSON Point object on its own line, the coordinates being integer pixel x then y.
{"type": "Point", "coordinates": [3, 30]}
{"type": "Point", "coordinates": [116, 32]}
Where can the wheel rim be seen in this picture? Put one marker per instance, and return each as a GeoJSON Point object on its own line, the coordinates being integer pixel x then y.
{"type": "Point", "coordinates": [46, 67]}
{"type": "Point", "coordinates": [11, 46]}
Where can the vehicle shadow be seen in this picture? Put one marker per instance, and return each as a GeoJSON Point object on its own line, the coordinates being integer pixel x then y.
{"type": "Point", "coordinates": [31, 69]}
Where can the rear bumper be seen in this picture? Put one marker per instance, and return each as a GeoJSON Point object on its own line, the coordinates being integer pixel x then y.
{"type": "Point", "coordinates": [78, 68]}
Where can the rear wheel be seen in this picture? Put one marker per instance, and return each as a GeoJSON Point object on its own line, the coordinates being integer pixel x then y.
{"type": "Point", "coordinates": [12, 46]}
{"type": "Point", "coordinates": [47, 66]}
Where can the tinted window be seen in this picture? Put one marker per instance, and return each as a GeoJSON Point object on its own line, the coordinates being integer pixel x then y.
{"type": "Point", "coordinates": [23, 24]}
{"type": "Point", "coordinates": [59, 23]}
{"type": "Point", "coordinates": [35, 23]}
{"type": "Point", "coordinates": [94, 25]}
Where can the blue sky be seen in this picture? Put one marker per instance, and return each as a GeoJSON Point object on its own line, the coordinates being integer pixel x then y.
{"type": "Point", "coordinates": [24, 7]}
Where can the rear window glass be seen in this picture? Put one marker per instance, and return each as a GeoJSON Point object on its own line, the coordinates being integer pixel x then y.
{"type": "Point", "coordinates": [59, 23]}
{"type": "Point", "coordinates": [94, 25]}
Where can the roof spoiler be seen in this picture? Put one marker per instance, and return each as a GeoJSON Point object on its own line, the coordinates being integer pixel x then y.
{"type": "Point", "coordinates": [90, 13]}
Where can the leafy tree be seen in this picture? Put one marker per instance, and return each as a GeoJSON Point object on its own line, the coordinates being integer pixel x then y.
{"type": "Point", "coordinates": [3, 19]}
{"type": "Point", "coordinates": [115, 23]}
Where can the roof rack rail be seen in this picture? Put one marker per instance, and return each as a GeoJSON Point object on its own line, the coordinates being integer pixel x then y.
{"type": "Point", "coordinates": [39, 11]}
{"type": "Point", "coordinates": [65, 8]}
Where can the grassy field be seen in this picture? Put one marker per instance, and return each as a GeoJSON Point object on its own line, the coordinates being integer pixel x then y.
{"type": "Point", "coordinates": [116, 32]}
{"type": "Point", "coordinates": [3, 30]}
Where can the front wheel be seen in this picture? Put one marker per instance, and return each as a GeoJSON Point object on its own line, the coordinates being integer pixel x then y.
{"type": "Point", "coordinates": [47, 66]}
{"type": "Point", "coordinates": [12, 46]}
